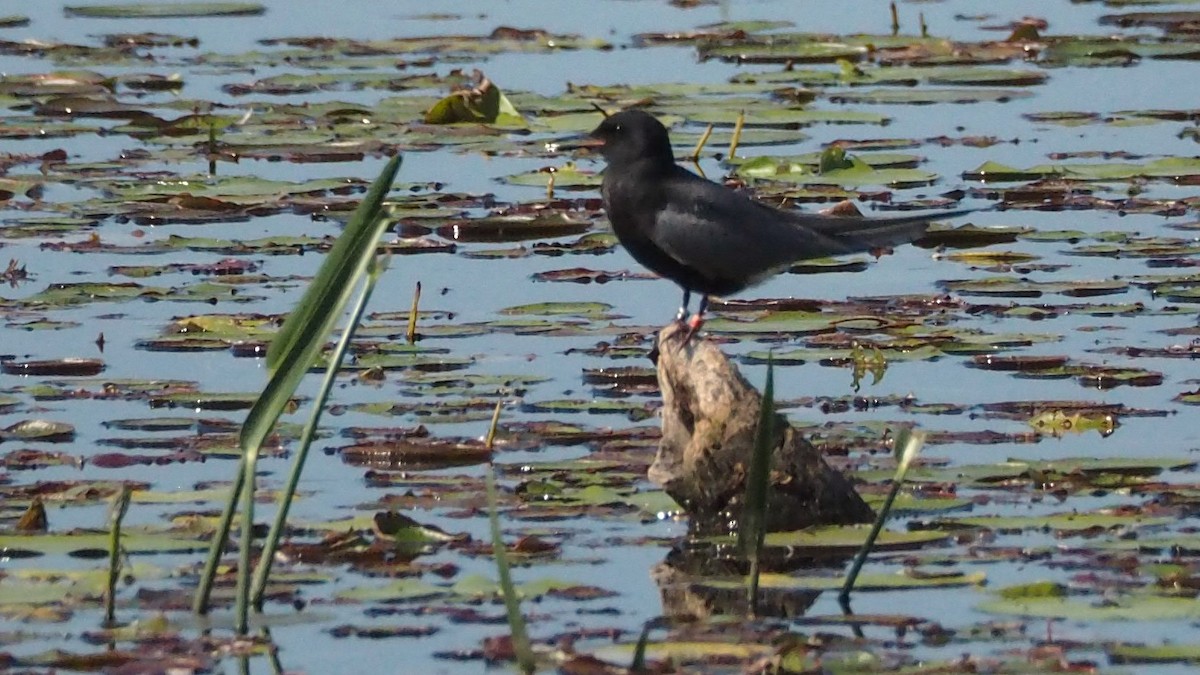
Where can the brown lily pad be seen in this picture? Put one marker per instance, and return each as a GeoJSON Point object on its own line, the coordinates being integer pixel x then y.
{"type": "Point", "coordinates": [67, 367]}
{"type": "Point", "coordinates": [1017, 363]}
{"type": "Point", "coordinates": [414, 453]}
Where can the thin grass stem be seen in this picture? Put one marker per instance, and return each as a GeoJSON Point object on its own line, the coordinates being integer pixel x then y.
{"type": "Point", "coordinates": [512, 604]}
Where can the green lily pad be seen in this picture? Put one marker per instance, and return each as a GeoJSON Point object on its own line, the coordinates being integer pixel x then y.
{"type": "Point", "coordinates": [74, 542]}
{"type": "Point", "coordinates": [634, 411]}
{"type": "Point", "coordinates": [1127, 608]}
{"type": "Point", "coordinates": [777, 117]}
{"type": "Point", "coordinates": [38, 430]}
{"type": "Point", "coordinates": [908, 505]}
{"type": "Point", "coordinates": [1169, 168]}
{"type": "Point", "coordinates": [928, 96]}
{"type": "Point", "coordinates": [866, 169]}
{"type": "Point", "coordinates": [481, 102]}
{"type": "Point", "coordinates": [793, 51]}
{"type": "Point", "coordinates": [849, 539]}
{"type": "Point", "coordinates": [1025, 288]}
{"type": "Point", "coordinates": [584, 309]}
{"type": "Point", "coordinates": [866, 583]}
{"type": "Point", "coordinates": [1125, 653]}
{"type": "Point", "coordinates": [206, 400]}
{"type": "Point", "coordinates": [401, 590]}
{"type": "Point", "coordinates": [869, 74]}
{"type": "Point", "coordinates": [1063, 523]}
{"type": "Point", "coordinates": [567, 177]}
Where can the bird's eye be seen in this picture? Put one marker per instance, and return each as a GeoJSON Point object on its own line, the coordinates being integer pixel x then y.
{"type": "Point", "coordinates": [617, 128]}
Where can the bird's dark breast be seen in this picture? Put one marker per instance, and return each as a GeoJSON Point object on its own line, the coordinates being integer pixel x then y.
{"type": "Point", "coordinates": [632, 220]}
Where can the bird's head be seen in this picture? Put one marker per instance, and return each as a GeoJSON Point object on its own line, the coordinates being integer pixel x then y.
{"type": "Point", "coordinates": [633, 135]}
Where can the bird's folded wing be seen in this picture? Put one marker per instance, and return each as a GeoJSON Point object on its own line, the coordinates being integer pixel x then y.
{"type": "Point", "coordinates": [872, 233]}
{"type": "Point", "coordinates": [726, 236]}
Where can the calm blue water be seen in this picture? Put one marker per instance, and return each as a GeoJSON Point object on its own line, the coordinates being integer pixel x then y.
{"type": "Point", "coordinates": [476, 290]}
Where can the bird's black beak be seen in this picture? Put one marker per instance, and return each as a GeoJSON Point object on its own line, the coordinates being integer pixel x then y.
{"type": "Point", "coordinates": [592, 142]}
{"type": "Point", "coordinates": [588, 144]}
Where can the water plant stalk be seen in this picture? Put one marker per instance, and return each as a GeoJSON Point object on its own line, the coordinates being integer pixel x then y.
{"type": "Point", "coordinates": [638, 664]}
{"type": "Point", "coordinates": [695, 156]}
{"type": "Point", "coordinates": [512, 604]}
{"type": "Point", "coordinates": [753, 527]}
{"type": "Point", "coordinates": [120, 507]}
{"type": "Point", "coordinates": [241, 623]}
{"type": "Point", "coordinates": [737, 133]}
{"type": "Point", "coordinates": [212, 147]}
{"type": "Point", "coordinates": [309, 433]}
{"type": "Point", "coordinates": [272, 651]}
{"type": "Point", "coordinates": [217, 547]}
{"type": "Point", "coordinates": [410, 333]}
{"type": "Point", "coordinates": [490, 440]}
{"type": "Point", "coordinates": [908, 446]}
{"type": "Point", "coordinates": [291, 353]}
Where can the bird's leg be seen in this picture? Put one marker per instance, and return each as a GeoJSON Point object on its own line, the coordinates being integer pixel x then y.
{"type": "Point", "coordinates": [697, 320]}
{"type": "Point", "coordinates": [682, 315]}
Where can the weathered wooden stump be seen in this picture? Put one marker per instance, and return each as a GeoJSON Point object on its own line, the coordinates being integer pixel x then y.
{"type": "Point", "coordinates": [710, 416]}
